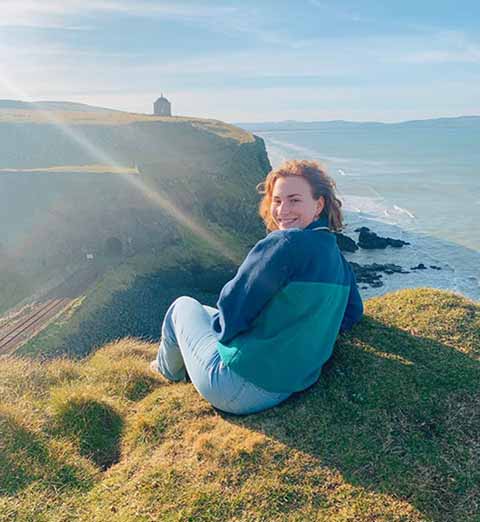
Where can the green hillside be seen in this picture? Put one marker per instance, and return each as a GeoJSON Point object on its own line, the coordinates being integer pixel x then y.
{"type": "Point", "coordinates": [389, 433]}
{"type": "Point", "coordinates": [75, 176]}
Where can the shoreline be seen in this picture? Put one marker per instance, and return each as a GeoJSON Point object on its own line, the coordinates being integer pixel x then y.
{"type": "Point", "coordinates": [458, 264]}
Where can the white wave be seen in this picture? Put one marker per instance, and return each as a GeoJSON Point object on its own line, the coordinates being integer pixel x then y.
{"type": "Point", "coordinates": [305, 151]}
{"type": "Point", "coordinates": [319, 156]}
{"type": "Point", "coordinates": [374, 192]}
{"type": "Point", "coordinates": [404, 210]}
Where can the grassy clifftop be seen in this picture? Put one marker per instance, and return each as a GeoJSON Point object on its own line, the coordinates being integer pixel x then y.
{"type": "Point", "coordinates": [389, 433]}
{"type": "Point", "coordinates": [68, 113]}
{"type": "Point", "coordinates": [32, 139]}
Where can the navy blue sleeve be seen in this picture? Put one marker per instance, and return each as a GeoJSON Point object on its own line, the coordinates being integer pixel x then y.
{"type": "Point", "coordinates": [262, 274]}
{"type": "Point", "coordinates": [354, 310]}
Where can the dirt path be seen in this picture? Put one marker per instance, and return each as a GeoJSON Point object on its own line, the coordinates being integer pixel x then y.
{"type": "Point", "coordinates": [16, 329]}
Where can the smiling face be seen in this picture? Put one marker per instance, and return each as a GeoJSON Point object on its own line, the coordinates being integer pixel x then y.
{"type": "Point", "coordinates": [293, 205]}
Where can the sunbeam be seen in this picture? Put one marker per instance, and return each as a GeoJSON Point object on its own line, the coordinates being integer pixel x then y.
{"type": "Point", "coordinates": [102, 157]}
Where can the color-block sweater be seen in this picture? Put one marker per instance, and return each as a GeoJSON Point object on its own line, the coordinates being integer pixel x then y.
{"type": "Point", "coordinates": [278, 318]}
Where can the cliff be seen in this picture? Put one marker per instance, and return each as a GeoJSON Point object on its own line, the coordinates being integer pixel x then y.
{"type": "Point", "coordinates": [75, 179]}
{"type": "Point", "coordinates": [389, 433]}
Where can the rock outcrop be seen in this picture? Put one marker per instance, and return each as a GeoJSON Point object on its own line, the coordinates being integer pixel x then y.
{"type": "Point", "coordinates": [370, 240]}
{"type": "Point", "coordinates": [345, 243]}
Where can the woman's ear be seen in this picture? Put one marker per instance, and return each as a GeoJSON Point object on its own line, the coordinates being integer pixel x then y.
{"type": "Point", "coordinates": [320, 205]}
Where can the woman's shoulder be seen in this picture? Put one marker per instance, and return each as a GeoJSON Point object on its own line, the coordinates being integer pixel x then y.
{"type": "Point", "coordinates": [282, 237]}
{"type": "Point", "coordinates": [299, 241]}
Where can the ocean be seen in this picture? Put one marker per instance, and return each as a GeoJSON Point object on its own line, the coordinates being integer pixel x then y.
{"type": "Point", "coordinates": [417, 181]}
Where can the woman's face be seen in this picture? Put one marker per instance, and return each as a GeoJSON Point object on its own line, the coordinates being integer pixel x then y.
{"type": "Point", "coordinates": [293, 205]}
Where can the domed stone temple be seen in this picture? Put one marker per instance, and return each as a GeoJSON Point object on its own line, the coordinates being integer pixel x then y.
{"type": "Point", "coordinates": [162, 107]}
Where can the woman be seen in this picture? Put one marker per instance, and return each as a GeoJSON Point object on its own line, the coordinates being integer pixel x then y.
{"type": "Point", "coordinates": [278, 318]}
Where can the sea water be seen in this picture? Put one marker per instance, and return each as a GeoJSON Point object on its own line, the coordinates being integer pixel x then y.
{"type": "Point", "coordinates": [416, 181]}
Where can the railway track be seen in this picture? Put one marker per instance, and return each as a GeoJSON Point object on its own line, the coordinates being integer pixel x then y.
{"type": "Point", "coordinates": [31, 324]}
{"type": "Point", "coordinates": [19, 328]}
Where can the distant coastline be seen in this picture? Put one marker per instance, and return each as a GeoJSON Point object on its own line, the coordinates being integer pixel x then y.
{"type": "Point", "coordinates": [299, 125]}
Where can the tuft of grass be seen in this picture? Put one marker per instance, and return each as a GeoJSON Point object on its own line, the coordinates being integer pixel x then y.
{"type": "Point", "coordinates": [62, 371]}
{"type": "Point", "coordinates": [90, 421]}
{"type": "Point", "coordinates": [22, 378]}
{"type": "Point", "coordinates": [122, 375]}
{"type": "Point", "coordinates": [126, 348]}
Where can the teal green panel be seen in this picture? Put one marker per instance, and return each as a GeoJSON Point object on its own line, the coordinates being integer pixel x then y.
{"type": "Point", "coordinates": [291, 338]}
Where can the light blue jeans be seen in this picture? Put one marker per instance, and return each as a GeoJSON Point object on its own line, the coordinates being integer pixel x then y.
{"type": "Point", "coordinates": [189, 343]}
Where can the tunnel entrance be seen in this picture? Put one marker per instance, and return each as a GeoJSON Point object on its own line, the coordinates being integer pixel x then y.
{"type": "Point", "coordinates": [113, 247]}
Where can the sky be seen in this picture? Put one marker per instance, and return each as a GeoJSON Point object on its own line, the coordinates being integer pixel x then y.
{"type": "Point", "coordinates": [247, 61]}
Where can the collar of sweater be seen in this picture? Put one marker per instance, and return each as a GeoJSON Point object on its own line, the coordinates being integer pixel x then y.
{"type": "Point", "coordinates": [321, 222]}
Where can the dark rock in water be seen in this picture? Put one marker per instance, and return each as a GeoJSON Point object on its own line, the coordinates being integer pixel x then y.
{"type": "Point", "coordinates": [364, 274]}
{"type": "Point", "coordinates": [384, 267]}
{"type": "Point", "coordinates": [370, 240]}
{"type": "Point", "coordinates": [365, 229]}
{"type": "Point", "coordinates": [396, 243]}
{"type": "Point", "coordinates": [420, 266]}
{"type": "Point", "coordinates": [345, 243]}
{"type": "Point", "coordinates": [435, 267]}
{"type": "Point", "coordinates": [370, 273]}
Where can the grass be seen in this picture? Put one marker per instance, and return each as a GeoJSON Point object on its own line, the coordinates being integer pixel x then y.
{"type": "Point", "coordinates": [95, 168]}
{"type": "Point", "coordinates": [217, 127]}
{"type": "Point", "coordinates": [13, 288]}
{"type": "Point", "coordinates": [16, 289]}
{"type": "Point", "coordinates": [389, 433]}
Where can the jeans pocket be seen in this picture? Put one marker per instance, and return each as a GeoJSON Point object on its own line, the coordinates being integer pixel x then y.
{"type": "Point", "coordinates": [251, 399]}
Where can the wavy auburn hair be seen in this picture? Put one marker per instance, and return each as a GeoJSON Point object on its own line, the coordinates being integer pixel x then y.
{"type": "Point", "coordinates": [320, 183]}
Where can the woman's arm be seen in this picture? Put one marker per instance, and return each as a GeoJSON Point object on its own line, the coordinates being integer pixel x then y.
{"type": "Point", "coordinates": [262, 274]}
{"type": "Point", "coordinates": [354, 310]}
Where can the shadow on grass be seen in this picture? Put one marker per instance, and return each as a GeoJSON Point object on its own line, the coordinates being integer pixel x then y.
{"type": "Point", "coordinates": [26, 458]}
{"type": "Point", "coordinates": [395, 414]}
{"type": "Point", "coordinates": [93, 425]}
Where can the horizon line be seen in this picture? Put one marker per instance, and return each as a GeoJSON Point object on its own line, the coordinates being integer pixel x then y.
{"type": "Point", "coordinates": [275, 122]}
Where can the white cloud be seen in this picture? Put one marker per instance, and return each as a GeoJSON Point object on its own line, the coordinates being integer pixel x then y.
{"type": "Point", "coordinates": [465, 56]}
{"type": "Point", "coordinates": [445, 47]}
{"type": "Point", "coordinates": [54, 13]}
{"type": "Point", "coordinates": [221, 19]}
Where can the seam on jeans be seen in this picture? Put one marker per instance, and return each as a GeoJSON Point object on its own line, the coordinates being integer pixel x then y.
{"type": "Point", "coordinates": [237, 395]}
{"type": "Point", "coordinates": [199, 361]}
